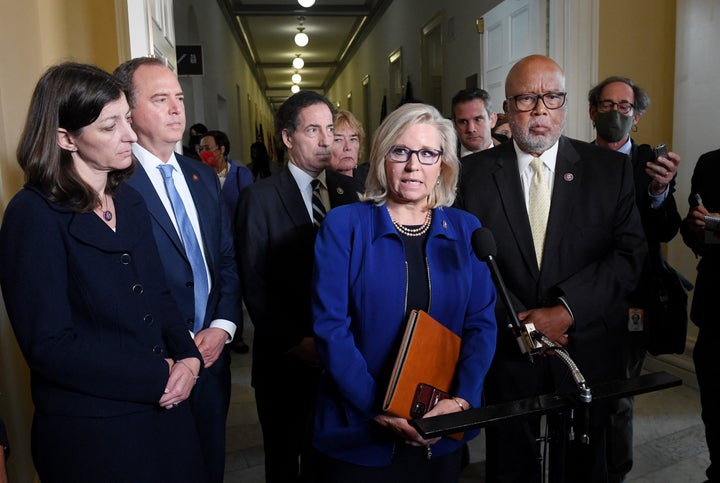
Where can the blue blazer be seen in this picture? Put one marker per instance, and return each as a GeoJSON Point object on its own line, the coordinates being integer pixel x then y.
{"type": "Point", "coordinates": [224, 297]}
{"type": "Point", "coordinates": [358, 305]}
{"type": "Point", "coordinates": [239, 176]}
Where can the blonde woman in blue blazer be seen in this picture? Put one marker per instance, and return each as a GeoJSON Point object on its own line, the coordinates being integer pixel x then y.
{"type": "Point", "coordinates": [404, 247]}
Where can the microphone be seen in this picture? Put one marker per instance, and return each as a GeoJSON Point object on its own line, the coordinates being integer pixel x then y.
{"type": "Point", "coordinates": [483, 243]}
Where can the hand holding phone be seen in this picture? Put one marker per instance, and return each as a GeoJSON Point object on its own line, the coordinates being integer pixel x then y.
{"type": "Point", "coordinates": [660, 150]}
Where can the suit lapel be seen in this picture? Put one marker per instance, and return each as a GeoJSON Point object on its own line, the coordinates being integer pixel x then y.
{"type": "Point", "coordinates": [142, 184]}
{"type": "Point", "coordinates": [200, 198]}
{"type": "Point", "coordinates": [568, 176]}
{"type": "Point", "coordinates": [292, 200]}
{"type": "Point", "coordinates": [507, 180]}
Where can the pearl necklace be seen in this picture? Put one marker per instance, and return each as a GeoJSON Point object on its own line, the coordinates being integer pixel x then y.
{"type": "Point", "coordinates": [417, 231]}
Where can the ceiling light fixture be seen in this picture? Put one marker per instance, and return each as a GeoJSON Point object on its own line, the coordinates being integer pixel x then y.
{"type": "Point", "coordinates": [298, 63]}
{"type": "Point", "coordinates": [306, 3]}
{"type": "Point", "coordinates": [295, 89]}
{"type": "Point", "coordinates": [296, 78]}
{"type": "Point", "coordinates": [301, 38]}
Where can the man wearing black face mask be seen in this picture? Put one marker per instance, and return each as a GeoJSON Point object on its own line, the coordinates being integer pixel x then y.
{"type": "Point", "coordinates": [616, 105]}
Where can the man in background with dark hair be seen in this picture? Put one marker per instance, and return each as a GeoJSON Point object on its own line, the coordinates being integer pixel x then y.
{"type": "Point", "coordinates": [276, 225]}
{"type": "Point", "coordinates": [473, 118]}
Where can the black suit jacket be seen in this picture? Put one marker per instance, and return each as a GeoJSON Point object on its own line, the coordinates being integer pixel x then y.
{"type": "Point", "coordinates": [594, 247]}
{"type": "Point", "coordinates": [275, 240]}
{"type": "Point", "coordinates": [660, 224]}
{"type": "Point", "coordinates": [704, 182]}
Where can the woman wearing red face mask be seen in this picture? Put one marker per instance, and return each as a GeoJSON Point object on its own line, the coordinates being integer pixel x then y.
{"type": "Point", "coordinates": [214, 149]}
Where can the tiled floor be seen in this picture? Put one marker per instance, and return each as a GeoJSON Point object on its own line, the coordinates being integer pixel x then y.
{"type": "Point", "coordinates": [669, 438]}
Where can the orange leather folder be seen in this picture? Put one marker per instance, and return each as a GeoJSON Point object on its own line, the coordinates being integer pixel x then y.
{"type": "Point", "coordinates": [428, 354]}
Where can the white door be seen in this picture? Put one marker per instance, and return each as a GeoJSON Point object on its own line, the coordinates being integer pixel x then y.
{"type": "Point", "coordinates": [151, 29]}
{"type": "Point", "coordinates": [512, 30]}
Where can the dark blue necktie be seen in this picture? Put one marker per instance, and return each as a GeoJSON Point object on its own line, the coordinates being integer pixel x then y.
{"type": "Point", "coordinates": [317, 204]}
{"type": "Point", "coordinates": [192, 247]}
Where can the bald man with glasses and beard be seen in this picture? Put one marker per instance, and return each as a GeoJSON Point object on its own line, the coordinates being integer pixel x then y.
{"type": "Point", "coordinates": [568, 267]}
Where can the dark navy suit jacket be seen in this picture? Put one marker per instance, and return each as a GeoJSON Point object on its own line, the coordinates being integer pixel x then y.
{"type": "Point", "coordinates": [224, 298]}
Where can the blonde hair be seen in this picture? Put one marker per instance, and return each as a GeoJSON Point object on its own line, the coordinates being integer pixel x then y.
{"type": "Point", "coordinates": [346, 118]}
{"type": "Point", "coordinates": [386, 136]}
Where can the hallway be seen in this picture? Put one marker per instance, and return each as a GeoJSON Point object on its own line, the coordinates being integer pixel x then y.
{"type": "Point", "coordinates": [669, 436]}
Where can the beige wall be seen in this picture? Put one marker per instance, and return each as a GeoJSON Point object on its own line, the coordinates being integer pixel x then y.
{"type": "Point", "coordinates": [35, 35]}
{"type": "Point", "coordinates": [637, 40]}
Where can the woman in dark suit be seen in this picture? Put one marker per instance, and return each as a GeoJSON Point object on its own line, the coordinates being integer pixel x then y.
{"type": "Point", "coordinates": [111, 360]}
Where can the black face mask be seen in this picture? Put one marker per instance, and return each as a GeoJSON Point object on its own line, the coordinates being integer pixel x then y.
{"type": "Point", "coordinates": [612, 126]}
{"type": "Point", "coordinates": [501, 138]}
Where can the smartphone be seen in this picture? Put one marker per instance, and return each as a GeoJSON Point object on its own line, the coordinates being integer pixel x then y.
{"type": "Point", "coordinates": [426, 397]}
{"type": "Point", "coordinates": [660, 150]}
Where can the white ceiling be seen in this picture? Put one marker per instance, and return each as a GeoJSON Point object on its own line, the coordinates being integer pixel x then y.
{"type": "Point", "coordinates": [265, 30]}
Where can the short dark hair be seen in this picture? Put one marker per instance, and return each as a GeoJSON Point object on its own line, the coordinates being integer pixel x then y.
{"type": "Point", "coordinates": [470, 94]}
{"type": "Point", "coordinates": [125, 71]}
{"type": "Point", "coordinates": [642, 99]}
{"type": "Point", "coordinates": [221, 139]}
{"type": "Point", "coordinates": [68, 96]}
{"type": "Point", "coordinates": [199, 128]}
{"type": "Point", "coordinates": [287, 115]}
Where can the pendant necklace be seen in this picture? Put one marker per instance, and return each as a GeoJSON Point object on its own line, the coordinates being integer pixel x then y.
{"type": "Point", "coordinates": [106, 214]}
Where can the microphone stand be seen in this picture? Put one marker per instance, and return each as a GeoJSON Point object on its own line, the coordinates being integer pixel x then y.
{"type": "Point", "coordinates": [584, 394]}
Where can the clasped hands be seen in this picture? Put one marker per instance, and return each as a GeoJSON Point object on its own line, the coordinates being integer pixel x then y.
{"type": "Point", "coordinates": [552, 322]}
{"type": "Point", "coordinates": [183, 375]}
{"type": "Point", "coordinates": [403, 430]}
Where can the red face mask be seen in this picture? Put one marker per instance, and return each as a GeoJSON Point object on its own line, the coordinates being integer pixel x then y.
{"type": "Point", "coordinates": [208, 157]}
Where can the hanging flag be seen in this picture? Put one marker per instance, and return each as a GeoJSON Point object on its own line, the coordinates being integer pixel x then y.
{"type": "Point", "coordinates": [383, 109]}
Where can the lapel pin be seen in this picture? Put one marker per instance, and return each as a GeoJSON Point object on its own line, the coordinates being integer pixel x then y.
{"type": "Point", "coordinates": [568, 176]}
{"type": "Point", "coordinates": [195, 177]}
{"type": "Point", "coordinates": [444, 225]}
{"type": "Point", "coordinates": [340, 191]}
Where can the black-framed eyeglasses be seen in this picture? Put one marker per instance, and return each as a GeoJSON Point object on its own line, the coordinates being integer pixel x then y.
{"type": "Point", "coordinates": [402, 154]}
{"type": "Point", "coordinates": [623, 107]}
{"type": "Point", "coordinates": [527, 102]}
{"type": "Point", "coordinates": [206, 148]}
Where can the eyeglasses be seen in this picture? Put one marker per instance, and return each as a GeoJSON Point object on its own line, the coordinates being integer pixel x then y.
{"type": "Point", "coordinates": [206, 148]}
{"type": "Point", "coordinates": [527, 102]}
{"type": "Point", "coordinates": [402, 154]}
{"type": "Point", "coordinates": [623, 107]}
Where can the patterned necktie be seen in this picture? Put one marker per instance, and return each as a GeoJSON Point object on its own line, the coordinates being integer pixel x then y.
{"type": "Point", "coordinates": [317, 204]}
{"type": "Point", "coordinates": [538, 207]}
{"type": "Point", "coordinates": [192, 247]}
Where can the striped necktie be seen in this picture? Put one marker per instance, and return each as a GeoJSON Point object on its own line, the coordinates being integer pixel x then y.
{"type": "Point", "coordinates": [538, 207]}
{"type": "Point", "coordinates": [317, 204]}
{"type": "Point", "coordinates": [192, 247]}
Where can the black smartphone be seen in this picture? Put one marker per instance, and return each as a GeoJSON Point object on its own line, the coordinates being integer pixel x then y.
{"type": "Point", "coordinates": [660, 150]}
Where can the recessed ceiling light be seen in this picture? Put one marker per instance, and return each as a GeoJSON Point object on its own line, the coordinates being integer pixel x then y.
{"type": "Point", "coordinates": [306, 3]}
{"type": "Point", "coordinates": [295, 89]}
{"type": "Point", "coordinates": [296, 78]}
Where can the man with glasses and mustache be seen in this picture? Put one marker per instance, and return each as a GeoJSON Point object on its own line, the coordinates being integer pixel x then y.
{"type": "Point", "coordinates": [615, 107]}
{"type": "Point", "coordinates": [570, 247]}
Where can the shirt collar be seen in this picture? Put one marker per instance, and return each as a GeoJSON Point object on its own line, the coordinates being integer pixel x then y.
{"type": "Point", "coordinates": [549, 157]}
